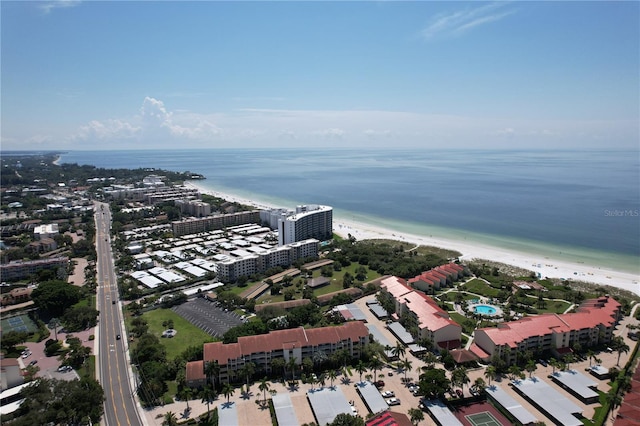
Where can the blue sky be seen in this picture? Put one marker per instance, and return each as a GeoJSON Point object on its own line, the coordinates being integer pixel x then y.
{"type": "Point", "coordinates": [117, 75]}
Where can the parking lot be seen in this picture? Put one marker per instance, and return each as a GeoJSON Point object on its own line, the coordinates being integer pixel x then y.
{"type": "Point", "coordinates": [208, 316]}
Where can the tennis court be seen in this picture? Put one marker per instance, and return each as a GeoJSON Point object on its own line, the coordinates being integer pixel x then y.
{"type": "Point", "coordinates": [480, 414]}
{"type": "Point", "coordinates": [483, 419]}
{"type": "Point", "coordinates": [19, 323]}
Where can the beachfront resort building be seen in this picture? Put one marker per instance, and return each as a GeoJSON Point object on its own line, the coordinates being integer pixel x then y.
{"type": "Point", "coordinates": [309, 221]}
{"type": "Point", "coordinates": [593, 323]}
{"type": "Point", "coordinates": [428, 320]}
{"type": "Point", "coordinates": [245, 263]}
{"type": "Point", "coordinates": [262, 349]}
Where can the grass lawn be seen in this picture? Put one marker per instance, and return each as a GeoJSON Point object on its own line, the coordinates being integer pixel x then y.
{"type": "Point", "coordinates": [334, 285]}
{"type": "Point", "coordinates": [188, 334]}
{"type": "Point", "coordinates": [89, 368]}
{"type": "Point", "coordinates": [457, 317]}
{"type": "Point", "coordinates": [555, 306]}
{"type": "Point", "coordinates": [480, 287]}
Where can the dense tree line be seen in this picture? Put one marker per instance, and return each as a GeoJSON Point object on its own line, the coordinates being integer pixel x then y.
{"type": "Point", "coordinates": [51, 401]}
{"type": "Point", "coordinates": [384, 258]}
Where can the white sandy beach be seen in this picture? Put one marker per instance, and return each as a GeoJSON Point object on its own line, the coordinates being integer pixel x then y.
{"type": "Point", "coordinates": [545, 266]}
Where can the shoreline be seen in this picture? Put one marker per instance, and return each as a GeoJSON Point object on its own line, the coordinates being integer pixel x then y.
{"type": "Point", "coordinates": [546, 266]}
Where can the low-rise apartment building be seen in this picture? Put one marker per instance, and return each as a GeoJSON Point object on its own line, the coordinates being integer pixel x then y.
{"type": "Point", "coordinates": [259, 261]}
{"type": "Point", "coordinates": [431, 321]}
{"type": "Point", "coordinates": [210, 223]}
{"type": "Point", "coordinates": [296, 344]}
{"type": "Point", "coordinates": [593, 323]}
{"type": "Point", "coordinates": [24, 269]}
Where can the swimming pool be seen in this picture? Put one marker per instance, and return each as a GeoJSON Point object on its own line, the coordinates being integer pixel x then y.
{"type": "Point", "coordinates": [485, 310]}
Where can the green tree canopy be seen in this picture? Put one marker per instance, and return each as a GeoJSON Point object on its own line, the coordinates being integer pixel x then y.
{"type": "Point", "coordinates": [51, 401]}
{"type": "Point", "coordinates": [55, 297]}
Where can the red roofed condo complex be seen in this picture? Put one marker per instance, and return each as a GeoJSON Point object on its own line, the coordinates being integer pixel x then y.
{"type": "Point", "coordinates": [437, 277]}
{"type": "Point", "coordinates": [297, 343]}
{"type": "Point", "coordinates": [592, 324]}
{"type": "Point", "coordinates": [431, 322]}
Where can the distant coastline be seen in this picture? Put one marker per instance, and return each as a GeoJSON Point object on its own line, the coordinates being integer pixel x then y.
{"type": "Point", "coordinates": [546, 266]}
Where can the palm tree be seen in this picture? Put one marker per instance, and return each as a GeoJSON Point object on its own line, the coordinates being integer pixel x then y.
{"type": "Point", "coordinates": [264, 387]}
{"type": "Point", "coordinates": [514, 371]}
{"type": "Point", "coordinates": [361, 368]}
{"type": "Point", "coordinates": [480, 384]}
{"type": "Point", "coordinates": [614, 399]}
{"type": "Point", "coordinates": [208, 395]}
{"type": "Point", "coordinates": [228, 391]}
{"type": "Point", "coordinates": [375, 365]}
{"type": "Point", "coordinates": [332, 376]}
{"type": "Point", "coordinates": [620, 346]}
{"type": "Point", "coordinates": [531, 367]}
{"type": "Point", "coordinates": [430, 359]}
{"type": "Point", "coordinates": [247, 371]}
{"type": "Point", "coordinates": [554, 364]}
{"type": "Point", "coordinates": [460, 376]}
{"type": "Point", "coordinates": [416, 415]}
{"type": "Point", "coordinates": [292, 366]}
{"type": "Point", "coordinates": [398, 350]}
{"type": "Point", "coordinates": [278, 364]}
{"type": "Point", "coordinates": [188, 393]}
{"type": "Point", "coordinates": [170, 419]}
{"type": "Point", "coordinates": [590, 354]}
{"type": "Point", "coordinates": [406, 365]}
{"type": "Point", "coordinates": [212, 370]}
{"type": "Point", "coordinates": [490, 373]}
{"type": "Point", "coordinates": [368, 377]}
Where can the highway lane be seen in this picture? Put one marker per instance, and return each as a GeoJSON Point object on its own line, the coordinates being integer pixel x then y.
{"type": "Point", "coordinates": [120, 400]}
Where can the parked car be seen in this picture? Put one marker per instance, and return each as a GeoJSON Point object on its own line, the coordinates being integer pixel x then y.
{"type": "Point", "coordinates": [459, 393]}
{"type": "Point", "coordinates": [34, 362]}
{"type": "Point", "coordinates": [543, 362]}
{"type": "Point", "coordinates": [387, 394]}
{"type": "Point", "coordinates": [393, 401]}
{"type": "Point", "coordinates": [379, 383]}
{"type": "Point", "coordinates": [64, 368]}
{"type": "Point", "coordinates": [474, 392]}
{"type": "Point", "coordinates": [354, 411]}
{"type": "Point", "coordinates": [26, 354]}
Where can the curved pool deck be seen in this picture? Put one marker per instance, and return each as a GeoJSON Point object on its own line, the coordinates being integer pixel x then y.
{"type": "Point", "coordinates": [485, 309]}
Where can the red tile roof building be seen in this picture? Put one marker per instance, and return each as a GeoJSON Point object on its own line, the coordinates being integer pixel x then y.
{"type": "Point", "coordinates": [389, 418]}
{"type": "Point", "coordinates": [261, 349]}
{"type": "Point", "coordinates": [435, 278]}
{"type": "Point", "coordinates": [432, 322]}
{"type": "Point", "coordinates": [629, 413]}
{"type": "Point", "coordinates": [592, 323]}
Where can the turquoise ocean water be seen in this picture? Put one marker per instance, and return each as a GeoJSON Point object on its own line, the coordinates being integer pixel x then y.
{"type": "Point", "coordinates": [568, 205]}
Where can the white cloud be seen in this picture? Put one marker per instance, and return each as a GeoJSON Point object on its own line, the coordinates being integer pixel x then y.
{"type": "Point", "coordinates": [332, 133]}
{"type": "Point", "coordinates": [48, 6]}
{"type": "Point", "coordinates": [155, 125]}
{"type": "Point", "coordinates": [106, 130]}
{"type": "Point", "coordinates": [462, 21]}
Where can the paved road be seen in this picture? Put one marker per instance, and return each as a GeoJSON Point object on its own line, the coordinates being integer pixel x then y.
{"type": "Point", "coordinates": [120, 407]}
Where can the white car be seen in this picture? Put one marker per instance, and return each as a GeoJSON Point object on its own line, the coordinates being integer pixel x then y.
{"type": "Point", "coordinates": [387, 394]}
{"type": "Point", "coordinates": [354, 411]}
{"type": "Point", "coordinates": [393, 401]}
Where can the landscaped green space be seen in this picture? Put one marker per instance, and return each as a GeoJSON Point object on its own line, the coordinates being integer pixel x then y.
{"type": "Point", "coordinates": [554, 306]}
{"type": "Point", "coordinates": [457, 317]}
{"type": "Point", "coordinates": [480, 287]}
{"type": "Point", "coordinates": [334, 285]}
{"type": "Point", "coordinates": [188, 334]}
